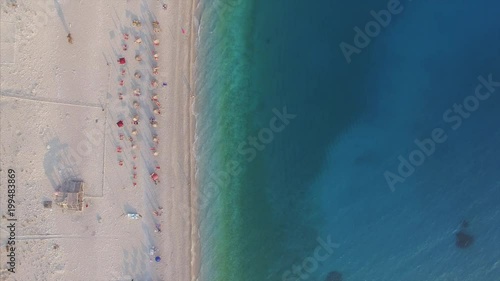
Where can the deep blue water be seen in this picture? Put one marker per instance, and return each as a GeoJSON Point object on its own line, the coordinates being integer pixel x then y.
{"type": "Point", "coordinates": [321, 176]}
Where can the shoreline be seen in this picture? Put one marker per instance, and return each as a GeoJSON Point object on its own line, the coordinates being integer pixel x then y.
{"type": "Point", "coordinates": [181, 239]}
{"type": "Point", "coordinates": [194, 188]}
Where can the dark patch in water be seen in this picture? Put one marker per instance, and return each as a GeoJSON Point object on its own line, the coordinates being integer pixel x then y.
{"type": "Point", "coordinates": [463, 240]}
{"type": "Point", "coordinates": [334, 276]}
{"type": "Point", "coordinates": [365, 158]}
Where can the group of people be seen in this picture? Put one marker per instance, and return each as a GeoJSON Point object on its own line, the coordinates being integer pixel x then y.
{"type": "Point", "coordinates": [137, 93]}
{"type": "Point", "coordinates": [143, 101]}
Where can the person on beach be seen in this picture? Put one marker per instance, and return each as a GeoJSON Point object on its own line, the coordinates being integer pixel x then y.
{"type": "Point", "coordinates": [156, 26]}
{"type": "Point", "coordinates": [157, 227]}
{"type": "Point", "coordinates": [153, 250]}
{"type": "Point", "coordinates": [70, 39]}
{"type": "Point", "coordinates": [153, 123]}
{"type": "Point", "coordinates": [136, 23]}
{"type": "Point", "coordinates": [155, 178]}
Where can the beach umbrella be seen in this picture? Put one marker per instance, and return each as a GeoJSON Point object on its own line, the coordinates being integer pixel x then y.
{"type": "Point", "coordinates": [121, 60]}
{"type": "Point", "coordinates": [120, 123]}
{"type": "Point", "coordinates": [157, 259]}
{"type": "Point", "coordinates": [154, 176]}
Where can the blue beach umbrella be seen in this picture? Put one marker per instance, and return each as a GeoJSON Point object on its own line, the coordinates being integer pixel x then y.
{"type": "Point", "coordinates": [157, 259]}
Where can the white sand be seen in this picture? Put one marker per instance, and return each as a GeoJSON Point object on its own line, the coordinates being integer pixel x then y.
{"type": "Point", "coordinates": [59, 107]}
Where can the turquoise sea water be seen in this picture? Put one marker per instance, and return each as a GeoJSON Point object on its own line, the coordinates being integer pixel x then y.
{"type": "Point", "coordinates": [272, 188]}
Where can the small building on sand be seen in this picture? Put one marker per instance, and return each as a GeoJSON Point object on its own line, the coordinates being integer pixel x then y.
{"type": "Point", "coordinates": [70, 197]}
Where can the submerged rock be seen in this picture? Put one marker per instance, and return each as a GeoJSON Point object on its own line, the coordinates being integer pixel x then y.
{"type": "Point", "coordinates": [334, 276]}
{"type": "Point", "coordinates": [463, 240]}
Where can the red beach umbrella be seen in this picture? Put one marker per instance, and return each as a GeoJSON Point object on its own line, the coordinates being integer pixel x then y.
{"type": "Point", "coordinates": [121, 60]}
{"type": "Point", "coordinates": [154, 176]}
{"type": "Point", "coordinates": [120, 123]}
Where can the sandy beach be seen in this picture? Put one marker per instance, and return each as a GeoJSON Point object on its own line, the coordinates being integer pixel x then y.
{"type": "Point", "coordinates": [60, 103]}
